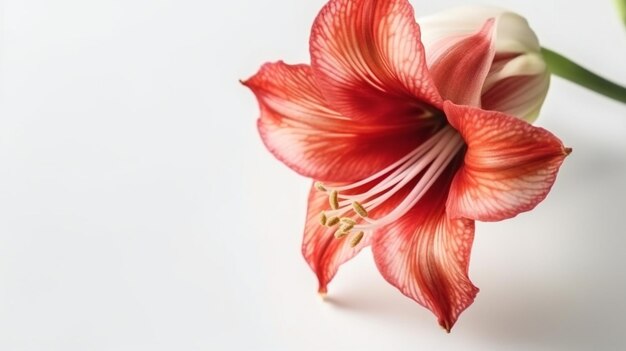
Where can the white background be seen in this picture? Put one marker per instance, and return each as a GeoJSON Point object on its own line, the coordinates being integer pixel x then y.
{"type": "Point", "coordinates": [140, 211]}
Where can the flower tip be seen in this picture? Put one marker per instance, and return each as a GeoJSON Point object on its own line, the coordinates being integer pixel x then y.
{"type": "Point", "coordinates": [567, 150]}
{"type": "Point", "coordinates": [447, 326]}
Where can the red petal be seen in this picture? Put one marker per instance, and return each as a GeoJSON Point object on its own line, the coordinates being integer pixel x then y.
{"type": "Point", "coordinates": [321, 249]}
{"type": "Point", "coordinates": [460, 71]}
{"type": "Point", "coordinates": [369, 60]}
{"type": "Point", "coordinates": [300, 130]}
{"type": "Point", "coordinates": [426, 256]}
{"type": "Point", "coordinates": [323, 252]}
{"type": "Point", "coordinates": [509, 165]}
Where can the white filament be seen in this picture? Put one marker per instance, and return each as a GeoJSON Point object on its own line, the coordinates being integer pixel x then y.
{"type": "Point", "coordinates": [430, 159]}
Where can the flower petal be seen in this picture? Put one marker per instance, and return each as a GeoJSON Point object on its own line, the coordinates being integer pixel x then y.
{"type": "Point", "coordinates": [300, 130]}
{"type": "Point", "coordinates": [321, 249]}
{"type": "Point", "coordinates": [509, 165]}
{"type": "Point", "coordinates": [461, 70]}
{"type": "Point", "coordinates": [369, 60]}
{"type": "Point", "coordinates": [517, 87]}
{"type": "Point", "coordinates": [323, 252]}
{"type": "Point", "coordinates": [518, 79]}
{"type": "Point", "coordinates": [513, 34]}
{"type": "Point", "coordinates": [426, 256]}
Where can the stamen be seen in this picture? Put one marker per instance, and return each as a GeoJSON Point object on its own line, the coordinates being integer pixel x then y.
{"type": "Point", "coordinates": [347, 220]}
{"type": "Point", "coordinates": [347, 227]}
{"type": "Point", "coordinates": [356, 239]}
{"type": "Point", "coordinates": [418, 165]}
{"type": "Point", "coordinates": [359, 209]}
{"type": "Point", "coordinates": [403, 161]}
{"type": "Point", "coordinates": [426, 181]}
{"type": "Point", "coordinates": [323, 218]}
{"type": "Point", "coordinates": [332, 199]}
{"type": "Point", "coordinates": [340, 234]}
{"type": "Point", "coordinates": [332, 221]}
{"type": "Point", "coordinates": [421, 168]}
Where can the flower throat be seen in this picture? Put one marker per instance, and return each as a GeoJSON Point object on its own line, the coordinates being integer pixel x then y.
{"type": "Point", "coordinates": [350, 213]}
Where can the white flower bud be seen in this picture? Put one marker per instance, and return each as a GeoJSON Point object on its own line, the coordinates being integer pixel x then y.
{"type": "Point", "coordinates": [518, 79]}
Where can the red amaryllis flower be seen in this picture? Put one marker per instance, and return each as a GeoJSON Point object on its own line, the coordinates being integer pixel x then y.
{"type": "Point", "coordinates": [403, 156]}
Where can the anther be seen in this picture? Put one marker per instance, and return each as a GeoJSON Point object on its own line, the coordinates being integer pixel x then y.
{"type": "Point", "coordinates": [347, 227]}
{"type": "Point", "coordinates": [341, 233]}
{"type": "Point", "coordinates": [323, 218]}
{"type": "Point", "coordinates": [319, 186]}
{"type": "Point", "coordinates": [332, 200]}
{"type": "Point", "coordinates": [356, 239]}
{"type": "Point", "coordinates": [347, 220]}
{"type": "Point", "coordinates": [359, 209]}
{"type": "Point", "coordinates": [332, 221]}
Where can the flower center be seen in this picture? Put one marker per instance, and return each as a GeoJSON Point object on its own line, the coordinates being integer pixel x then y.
{"type": "Point", "coordinates": [350, 212]}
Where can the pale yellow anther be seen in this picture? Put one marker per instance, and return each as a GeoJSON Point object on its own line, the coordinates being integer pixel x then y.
{"type": "Point", "coordinates": [332, 221]}
{"type": "Point", "coordinates": [359, 209]}
{"type": "Point", "coordinates": [319, 186]}
{"type": "Point", "coordinates": [332, 200]}
{"type": "Point", "coordinates": [340, 234]}
{"type": "Point", "coordinates": [356, 239]}
{"type": "Point", "coordinates": [346, 227]}
{"type": "Point", "coordinates": [347, 220]}
{"type": "Point", "coordinates": [323, 218]}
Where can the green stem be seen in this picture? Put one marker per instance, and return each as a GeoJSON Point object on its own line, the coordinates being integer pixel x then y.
{"type": "Point", "coordinates": [564, 68]}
